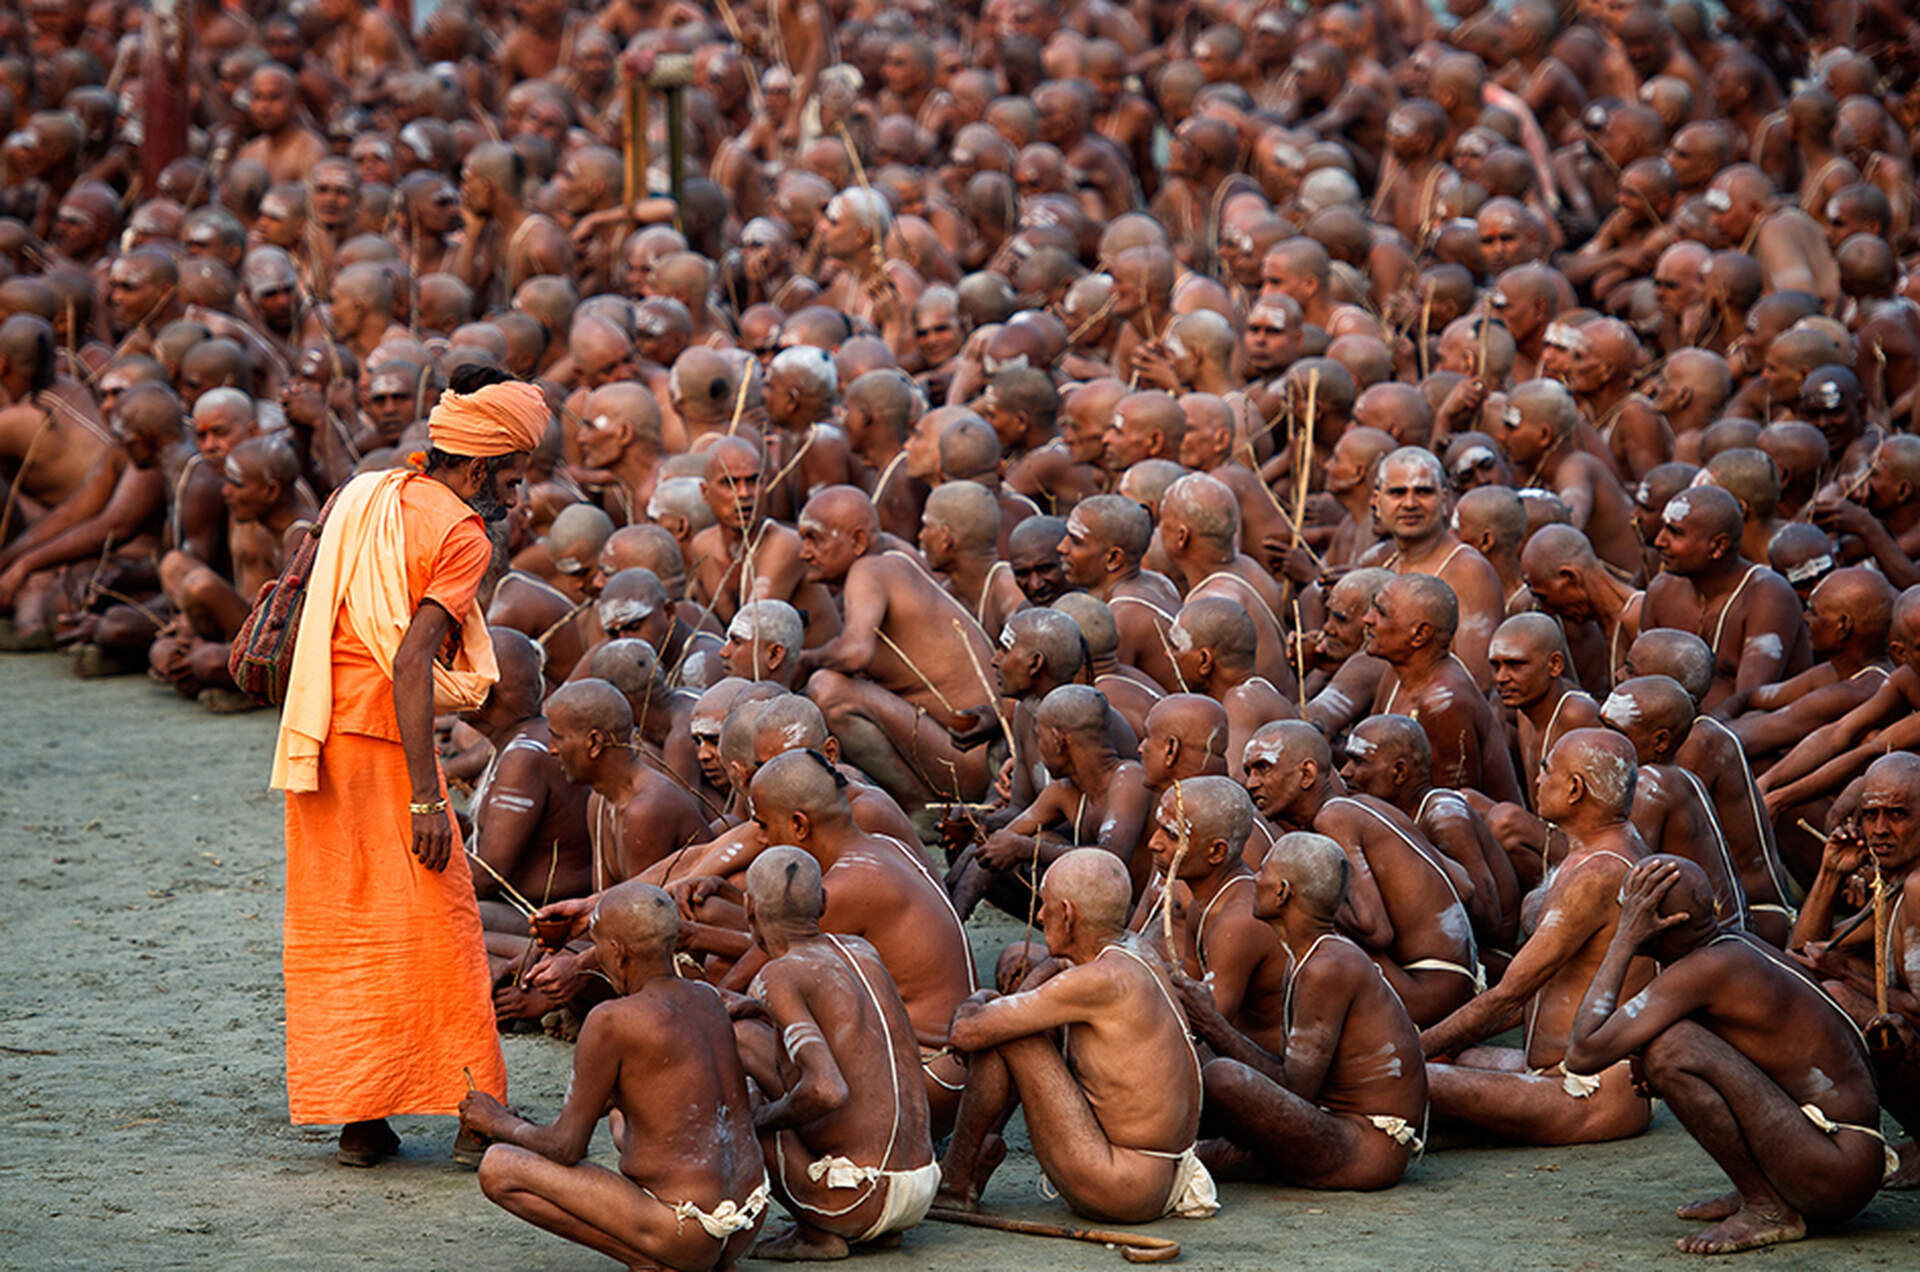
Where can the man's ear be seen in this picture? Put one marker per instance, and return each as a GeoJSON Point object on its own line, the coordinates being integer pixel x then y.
{"type": "Point", "coordinates": [1218, 851]}
{"type": "Point", "coordinates": [773, 657]}
{"type": "Point", "coordinates": [830, 748]}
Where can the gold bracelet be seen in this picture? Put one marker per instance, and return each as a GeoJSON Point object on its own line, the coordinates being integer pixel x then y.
{"type": "Point", "coordinates": [427, 810]}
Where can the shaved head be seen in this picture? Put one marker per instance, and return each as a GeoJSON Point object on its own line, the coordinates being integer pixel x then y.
{"type": "Point", "coordinates": [784, 886]}
{"type": "Point", "coordinates": [1682, 656]}
{"type": "Point", "coordinates": [1094, 882]}
{"type": "Point", "coordinates": [1314, 867]}
{"type": "Point", "coordinates": [637, 917]}
{"type": "Point", "coordinates": [592, 706]}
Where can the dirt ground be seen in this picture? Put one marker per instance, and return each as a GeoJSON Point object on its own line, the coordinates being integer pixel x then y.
{"type": "Point", "coordinates": [142, 1111]}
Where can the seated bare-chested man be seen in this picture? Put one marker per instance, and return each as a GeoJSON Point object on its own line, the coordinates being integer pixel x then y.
{"type": "Point", "coordinates": [1762, 1068]}
{"type": "Point", "coordinates": [1825, 760]}
{"type": "Point", "coordinates": [691, 1190]}
{"type": "Point", "coordinates": [636, 814]}
{"type": "Point", "coordinates": [1757, 634]}
{"type": "Point", "coordinates": [1215, 644]}
{"type": "Point", "coordinates": [266, 505]}
{"type": "Point", "coordinates": [1096, 797]}
{"type": "Point", "coordinates": [1571, 583]}
{"type": "Point", "coordinates": [1411, 628]}
{"type": "Point", "coordinates": [1200, 534]}
{"type": "Point", "coordinates": [1405, 905]}
{"type": "Point", "coordinates": [958, 531]}
{"type": "Point", "coordinates": [1341, 1100]}
{"type": "Point", "coordinates": [907, 670]}
{"type": "Point", "coordinates": [1112, 1110]}
{"type": "Point", "coordinates": [1529, 1094]}
{"type": "Point", "coordinates": [529, 821]}
{"type": "Point", "coordinates": [879, 889]}
{"type": "Point", "coordinates": [829, 1044]}
{"type": "Point", "coordinates": [1389, 758]}
{"type": "Point", "coordinates": [553, 610]}
{"type": "Point", "coordinates": [1671, 809]}
{"type": "Point", "coordinates": [1533, 675]}
{"type": "Point", "coordinates": [1541, 420]}
{"type": "Point", "coordinates": [1202, 826]}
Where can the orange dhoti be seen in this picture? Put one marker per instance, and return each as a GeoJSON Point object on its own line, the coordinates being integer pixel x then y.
{"type": "Point", "coordinates": [388, 994]}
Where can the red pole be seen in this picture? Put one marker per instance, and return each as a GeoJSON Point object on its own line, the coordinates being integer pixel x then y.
{"type": "Point", "coordinates": [164, 78]}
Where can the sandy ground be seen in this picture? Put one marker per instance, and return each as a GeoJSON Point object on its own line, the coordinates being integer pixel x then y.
{"type": "Point", "coordinates": [142, 1106]}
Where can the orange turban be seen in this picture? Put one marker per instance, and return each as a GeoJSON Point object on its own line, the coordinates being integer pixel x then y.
{"type": "Point", "coordinates": [500, 419]}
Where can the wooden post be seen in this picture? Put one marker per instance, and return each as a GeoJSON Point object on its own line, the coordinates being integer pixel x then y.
{"type": "Point", "coordinates": [163, 87]}
{"type": "Point", "coordinates": [636, 142]}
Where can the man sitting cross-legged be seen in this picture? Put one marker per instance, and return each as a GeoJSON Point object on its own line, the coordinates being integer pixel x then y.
{"type": "Point", "coordinates": [824, 1036]}
{"type": "Point", "coordinates": [1531, 1094]}
{"type": "Point", "coordinates": [1111, 1111]}
{"type": "Point", "coordinates": [1760, 1066]}
{"type": "Point", "coordinates": [1341, 1101]}
{"type": "Point", "coordinates": [692, 1188]}
{"type": "Point", "coordinates": [908, 666]}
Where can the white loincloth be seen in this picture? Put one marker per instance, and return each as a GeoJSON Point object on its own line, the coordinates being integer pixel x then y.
{"type": "Point", "coordinates": [725, 1219]}
{"type": "Point", "coordinates": [1193, 1195]}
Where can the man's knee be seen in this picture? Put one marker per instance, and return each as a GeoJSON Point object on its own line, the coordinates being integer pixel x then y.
{"type": "Point", "coordinates": [1226, 1080]}
{"type": "Point", "coordinates": [175, 567]}
{"type": "Point", "coordinates": [828, 689]}
{"type": "Point", "coordinates": [499, 1171]}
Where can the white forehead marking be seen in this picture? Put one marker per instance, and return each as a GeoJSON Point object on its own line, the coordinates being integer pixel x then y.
{"type": "Point", "coordinates": [741, 628]}
{"type": "Point", "coordinates": [1677, 509]}
{"type": "Point", "coordinates": [1006, 636]}
{"type": "Point", "coordinates": [1359, 747]}
{"type": "Point", "coordinates": [1620, 710]}
{"type": "Point", "coordinates": [619, 613]}
{"type": "Point", "coordinates": [1180, 638]}
{"type": "Point", "coordinates": [1808, 569]}
{"type": "Point", "coordinates": [1259, 752]}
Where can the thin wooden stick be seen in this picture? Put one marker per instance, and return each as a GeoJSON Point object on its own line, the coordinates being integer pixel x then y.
{"type": "Point", "coordinates": [1880, 917]}
{"type": "Point", "coordinates": [1300, 656]}
{"type": "Point", "coordinates": [1426, 320]}
{"type": "Point", "coordinates": [1135, 1247]}
{"type": "Point", "coordinates": [469, 1076]}
{"type": "Point", "coordinates": [914, 667]}
{"type": "Point", "coordinates": [514, 899]}
{"type": "Point", "coordinates": [739, 402]}
{"type": "Point", "coordinates": [1174, 958]}
{"type": "Point", "coordinates": [1303, 462]}
{"type": "Point", "coordinates": [993, 692]}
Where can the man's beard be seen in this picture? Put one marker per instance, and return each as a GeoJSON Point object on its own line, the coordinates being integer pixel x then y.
{"type": "Point", "coordinates": [487, 504]}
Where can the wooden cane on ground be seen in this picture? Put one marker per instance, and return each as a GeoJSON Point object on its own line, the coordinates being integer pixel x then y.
{"type": "Point", "coordinates": [1134, 1247]}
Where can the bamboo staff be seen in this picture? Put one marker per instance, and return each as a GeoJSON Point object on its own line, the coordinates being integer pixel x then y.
{"type": "Point", "coordinates": [1134, 1247]}
{"type": "Point", "coordinates": [1300, 656]}
{"type": "Point", "coordinates": [1426, 320]}
{"type": "Point", "coordinates": [1173, 871]}
{"type": "Point", "coordinates": [739, 402]}
{"type": "Point", "coordinates": [1303, 463]}
{"type": "Point", "coordinates": [1879, 941]}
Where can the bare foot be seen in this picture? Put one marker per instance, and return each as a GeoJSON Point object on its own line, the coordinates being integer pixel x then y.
{"type": "Point", "coordinates": [1708, 1209]}
{"type": "Point", "coordinates": [993, 1151]}
{"type": "Point", "coordinates": [1746, 1229]}
{"type": "Point", "coordinates": [801, 1244]}
{"type": "Point", "coordinates": [1908, 1176]}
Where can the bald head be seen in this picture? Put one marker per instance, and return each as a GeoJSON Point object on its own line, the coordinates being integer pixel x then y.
{"type": "Point", "coordinates": [1680, 656]}
{"type": "Point", "coordinates": [1078, 711]}
{"type": "Point", "coordinates": [845, 509]}
{"type": "Point", "coordinates": [522, 665]}
{"type": "Point", "coordinates": [1592, 771]}
{"type": "Point", "coordinates": [632, 667]}
{"type": "Point", "coordinates": [1094, 618]}
{"type": "Point", "coordinates": [1091, 884]}
{"type": "Point", "coordinates": [1287, 745]}
{"type": "Point", "coordinates": [577, 536]}
{"type": "Point", "coordinates": [1314, 869]}
{"type": "Point", "coordinates": [637, 919]}
{"type": "Point", "coordinates": [592, 706]}
{"type": "Point", "coordinates": [1217, 626]}
{"type": "Point", "coordinates": [796, 791]}
{"type": "Point", "coordinates": [788, 723]}
{"type": "Point", "coordinates": [1217, 813]}
{"type": "Point", "coordinates": [783, 886]}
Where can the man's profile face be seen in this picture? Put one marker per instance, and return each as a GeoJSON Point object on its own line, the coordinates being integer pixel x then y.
{"type": "Point", "coordinates": [249, 495]}
{"type": "Point", "coordinates": [570, 747]}
{"type": "Point", "coordinates": [1389, 628]}
{"type": "Point", "coordinates": [1082, 558]}
{"type": "Point", "coordinates": [1368, 769]}
{"type": "Point", "coordinates": [1521, 672]}
{"type": "Point", "coordinates": [1126, 442]}
{"type": "Point", "coordinates": [828, 550]}
{"type": "Point", "coordinates": [75, 231]}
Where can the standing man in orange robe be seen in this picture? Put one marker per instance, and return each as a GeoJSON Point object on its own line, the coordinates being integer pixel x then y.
{"type": "Point", "coordinates": [388, 999]}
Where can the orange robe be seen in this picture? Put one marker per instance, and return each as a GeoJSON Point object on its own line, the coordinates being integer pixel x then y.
{"type": "Point", "coordinates": [388, 994]}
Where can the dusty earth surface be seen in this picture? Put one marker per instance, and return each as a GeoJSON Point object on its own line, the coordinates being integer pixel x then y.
{"type": "Point", "coordinates": [142, 1105]}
